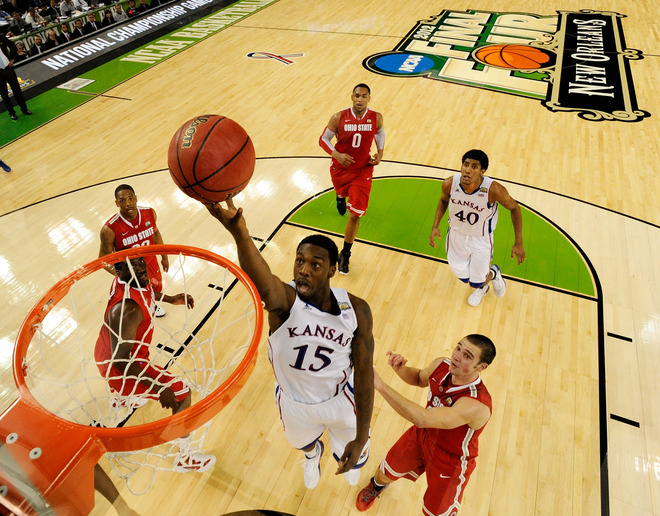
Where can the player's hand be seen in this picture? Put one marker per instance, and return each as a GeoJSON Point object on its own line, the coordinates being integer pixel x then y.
{"type": "Point", "coordinates": [165, 262]}
{"type": "Point", "coordinates": [344, 159]}
{"type": "Point", "coordinates": [183, 299]}
{"type": "Point", "coordinates": [374, 160]}
{"type": "Point", "coordinates": [396, 361]}
{"type": "Point", "coordinates": [230, 217]}
{"type": "Point", "coordinates": [168, 399]}
{"type": "Point", "coordinates": [435, 233]}
{"type": "Point", "coordinates": [519, 252]}
{"type": "Point", "coordinates": [350, 457]}
{"type": "Point", "coordinates": [379, 384]}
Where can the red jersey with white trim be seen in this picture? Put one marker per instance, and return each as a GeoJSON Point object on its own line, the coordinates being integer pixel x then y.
{"type": "Point", "coordinates": [136, 233]}
{"type": "Point", "coordinates": [144, 297]}
{"type": "Point", "coordinates": [462, 441]}
{"type": "Point", "coordinates": [355, 136]}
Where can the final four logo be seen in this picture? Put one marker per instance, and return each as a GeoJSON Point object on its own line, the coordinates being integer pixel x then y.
{"type": "Point", "coordinates": [571, 61]}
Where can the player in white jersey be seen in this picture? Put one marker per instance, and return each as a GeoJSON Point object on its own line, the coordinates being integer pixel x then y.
{"type": "Point", "coordinates": [472, 199]}
{"type": "Point", "coordinates": [321, 349]}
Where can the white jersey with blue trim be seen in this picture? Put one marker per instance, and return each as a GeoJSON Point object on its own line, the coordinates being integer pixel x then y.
{"type": "Point", "coordinates": [472, 214]}
{"type": "Point", "coordinates": [311, 351]}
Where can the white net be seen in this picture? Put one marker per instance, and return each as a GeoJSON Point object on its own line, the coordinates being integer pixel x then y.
{"type": "Point", "coordinates": [198, 346]}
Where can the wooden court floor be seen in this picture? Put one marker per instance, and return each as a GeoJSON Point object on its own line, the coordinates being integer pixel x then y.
{"type": "Point", "coordinates": [576, 424]}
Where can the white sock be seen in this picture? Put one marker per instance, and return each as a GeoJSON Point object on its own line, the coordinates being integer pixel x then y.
{"type": "Point", "coordinates": [314, 452]}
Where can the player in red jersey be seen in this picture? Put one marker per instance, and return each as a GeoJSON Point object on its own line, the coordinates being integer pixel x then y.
{"type": "Point", "coordinates": [352, 163]}
{"type": "Point", "coordinates": [133, 226]}
{"type": "Point", "coordinates": [122, 352]}
{"type": "Point", "coordinates": [444, 439]}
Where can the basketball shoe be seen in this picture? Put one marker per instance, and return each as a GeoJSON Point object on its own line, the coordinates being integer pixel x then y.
{"type": "Point", "coordinates": [499, 285]}
{"type": "Point", "coordinates": [343, 263]}
{"type": "Point", "coordinates": [160, 311]}
{"type": "Point", "coordinates": [341, 205]}
{"type": "Point", "coordinates": [478, 294]}
{"type": "Point", "coordinates": [4, 166]}
{"type": "Point", "coordinates": [312, 467]}
{"type": "Point", "coordinates": [368, 495]}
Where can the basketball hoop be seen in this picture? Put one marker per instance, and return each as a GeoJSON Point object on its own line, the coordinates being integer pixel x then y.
{"type": "Point", "coordinates": [67, 417]}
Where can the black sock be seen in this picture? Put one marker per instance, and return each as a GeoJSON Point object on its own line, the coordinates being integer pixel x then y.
{"type": "Point", "coordinates": [347, 248]}
{"type": "Point", "coordinates": [378, 487]}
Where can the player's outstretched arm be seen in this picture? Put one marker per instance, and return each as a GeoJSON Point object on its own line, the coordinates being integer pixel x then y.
{"type": "Point", "coordinates": [443, 204]}
{"type": "Point", "coordinates": [274, 293]}
{"type": "Point", "coordinates": [362, 350]}
{"type": "Point", "coordinates": [500, 194]}
{"type": "Point", "coordinates": [107, 246]}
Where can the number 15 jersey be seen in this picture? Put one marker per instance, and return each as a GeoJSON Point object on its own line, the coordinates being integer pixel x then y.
{"type": "Point", "coordinates": [311, 352]}
{"type": "Point", "coordinates": [472, 214]}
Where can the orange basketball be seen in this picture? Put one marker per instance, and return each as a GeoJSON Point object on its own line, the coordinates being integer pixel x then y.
{"type": "Point", "coordinates": [513, 57]}
{"type": "Point", "coordinates": [211, 158]}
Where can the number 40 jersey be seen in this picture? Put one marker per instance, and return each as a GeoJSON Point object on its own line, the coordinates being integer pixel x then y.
{"type": "Point", "coordinates": [311, 352]}
{"type": "Point", "coordinates": [472, 214]}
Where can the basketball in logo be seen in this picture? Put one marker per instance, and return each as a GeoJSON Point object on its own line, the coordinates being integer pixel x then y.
{"type": "Point", "coordinates": [514, 57]}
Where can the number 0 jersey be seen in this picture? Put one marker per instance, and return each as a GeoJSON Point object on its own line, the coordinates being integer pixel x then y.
{"type": "Point", "coordinates": [311, 352]}
{"type": "Point", "coordinates": [472, 214]}
{"type": "Point", "coordinates": [355, 136]}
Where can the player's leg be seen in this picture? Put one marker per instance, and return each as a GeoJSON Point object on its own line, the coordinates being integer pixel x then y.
{"type": "Point", "coordinates": [303, 431]}
{"type": "Point", "coordinates": [481, 253]}
{"type": "Point", "coordinates": [339, 179]}
{"type": "Point", "coordinates": [447, 477]}
{"type": "Point", "coordinates": [404, 460]}
{"type": "Point", "coordinates": [104, 485]}
{"type": "Point", "coordinates": [339, 416]}
{"type": "Point", "coordinates": [359, 190]}
{"type": "Point", "coordinates": [156, 280]}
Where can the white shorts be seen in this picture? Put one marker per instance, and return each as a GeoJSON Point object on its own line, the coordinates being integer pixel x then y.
{"type": "Point", "coordinates": [305, 423]}
{"type": "Point", "coordinates": [469, 256]}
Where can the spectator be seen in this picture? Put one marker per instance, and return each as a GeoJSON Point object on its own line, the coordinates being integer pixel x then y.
{"type": "Point", "coordinates": [66, 8]}
{"type": "Point", "coordinates": [107, 18]}
{"type": "Point", "coordinates": [8, 76]}
{"type": "Point", "coordinates": [37, 47]}
{"type": "Point", "coordinates": [5, 15]}
{"type": "Point", "coordinates": [81, 5]}
{"type": "Point", "coordinates": [142, 7]}
{"type": "Point", "coordinates": [34, 18]}
{"type": "Point", "coordinates": [51, 40]}
{"type": "Point", "coordinates": [21, 54]}
{"type": "Point", "coordinates": [119, 15]}
{"type": "Point", "coordinates": [154, 3]}
{"type": "Point", "coordinates": [51, 11]}
{"type": "Point", "coordinates": [78, 29]}
{"type": "Point", "coordinates": [92, 25]}
{"type": "Point", "coordinates": [131, 10]}
{"type": "Point", "coordinates": [18, 25]}
{"type": "Point", "coordinates": [64, 36]}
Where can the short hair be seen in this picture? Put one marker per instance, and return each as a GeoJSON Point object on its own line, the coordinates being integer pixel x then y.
{"type": "Point", "coordinates": [324, 242]}
{"type": "Point", "coordinates": [123, 187]}
{"type": "Point", "coordinates": [477, 154]}
{"type": "Point", "coordinates": [484, 344]}
{"type": "Point", "coordinates": [362, 85]}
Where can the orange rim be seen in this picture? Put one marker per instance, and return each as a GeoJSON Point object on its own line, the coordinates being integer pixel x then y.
{"type": "Point", "coordinates": [168, 428]}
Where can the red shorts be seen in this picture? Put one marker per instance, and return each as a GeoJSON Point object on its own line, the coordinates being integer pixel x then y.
{"type": "Point", "coordinates": [447, 475]}
{"type": "Point", "coordinates": [127, 386]}
{"type": "Point", "coordinates": [354, 183]}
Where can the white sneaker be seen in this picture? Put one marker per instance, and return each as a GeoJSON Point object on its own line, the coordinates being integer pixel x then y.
{"type": "Point", "coordinates": [197, 462]}
{"type": "Point", "coordinates": [160, 311]}
{"type": "Point", "coordinates": [499, 285]}
{"type": "Point", "coordinates": [352, 477]}
{"type": "Point", "coordinates": [478, 294]}
{"type": "Point", "coordinates": [312, 467]}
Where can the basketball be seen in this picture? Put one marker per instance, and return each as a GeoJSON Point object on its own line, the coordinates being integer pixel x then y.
{"type": "Point", "coordinates": [513, 57]}
{"type": "Point", "coordinates": [211, 158]}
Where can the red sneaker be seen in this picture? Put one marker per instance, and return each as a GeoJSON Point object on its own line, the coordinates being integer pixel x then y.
{"type": "Point", "coordinates": [367, 496]}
